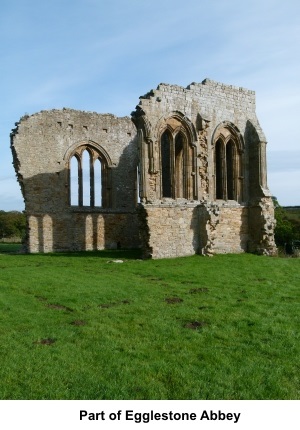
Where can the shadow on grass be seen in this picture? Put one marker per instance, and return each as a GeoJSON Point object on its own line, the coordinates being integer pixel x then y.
{"type": "Point", "coordinates": [113, 254]}
{"type": "Point", "coordinates": [10, 248]}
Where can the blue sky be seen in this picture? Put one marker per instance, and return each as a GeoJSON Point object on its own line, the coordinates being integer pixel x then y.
{"type": "Point", "coordinates": [101, 55]}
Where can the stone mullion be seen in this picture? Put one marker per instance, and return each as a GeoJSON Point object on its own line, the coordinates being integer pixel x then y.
{"type": "Point", "coordinates": [235, 174]}
{"type": "Point", "coordinates": [69, 197]}
{"type": "Point", "coordinates": [238, 176]}
{"type": "Point", "coordinates": [224, 171]}
{"type": "Point", "coordinates": [185, 167]}
{"type": "Point", "coordinates": [92, 181]}
{"type": "Point", "coordinates": [240, 173]}
{"type": "Point", "coordinates": [104, 186]}
{"type": "Point", "coordinates": [80, 183]}
{"type": "Point", "coordinates": [193, 172]}
{"type": "Point", "coordinates": [173, 168]}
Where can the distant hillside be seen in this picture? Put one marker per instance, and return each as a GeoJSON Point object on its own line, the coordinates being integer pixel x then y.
{"type": "Point", "coordinates": [292, 213]}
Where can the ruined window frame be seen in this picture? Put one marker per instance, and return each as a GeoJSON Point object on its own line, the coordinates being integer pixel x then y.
{"type": "Point", "coordinates": [228, 167]}
{"type": "Point", "coordinates": [180, 165]}
{"type": "Point", "coordinates": [95, 153]}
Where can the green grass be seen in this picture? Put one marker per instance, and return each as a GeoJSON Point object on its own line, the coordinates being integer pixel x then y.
{"type": "Point", "coordinates": [74, 326]}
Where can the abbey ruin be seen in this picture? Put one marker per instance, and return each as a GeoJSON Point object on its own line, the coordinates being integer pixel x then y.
{"type": "Point", "coordinates": [185, 174]}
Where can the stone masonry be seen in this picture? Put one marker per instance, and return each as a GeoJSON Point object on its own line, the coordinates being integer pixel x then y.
{"type": "Point", "coordinates": [185, 174]}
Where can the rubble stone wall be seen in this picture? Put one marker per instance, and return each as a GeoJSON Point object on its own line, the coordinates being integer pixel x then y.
{"type": "Point", "coordinates": [42, 144]}
{"type": "Point", "coordinates": [232, 232]}
{"type": "Point", "coordinates": [173, 231]}
{"type": "Point", "coordinates": [208, 195]}
{"type": "Point", "coordinates": [82, 232]}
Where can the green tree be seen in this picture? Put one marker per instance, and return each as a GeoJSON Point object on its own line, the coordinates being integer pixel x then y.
{"type": "Point", "coordinates": [284, 230]}
{"type": "Point", "coordinates": [12, 224]}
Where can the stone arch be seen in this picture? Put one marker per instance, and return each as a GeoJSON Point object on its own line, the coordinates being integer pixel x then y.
{"type": "Point", "coordinates": [91, 145]}
{"type": "Point", "coordinates": [176, 138]}
{"type": "Point", "coordinates": [96, 153]}
{"type": "Point", "coordinates": [182, 119]}
{"type": "Point", "coordinates": [228, 150]}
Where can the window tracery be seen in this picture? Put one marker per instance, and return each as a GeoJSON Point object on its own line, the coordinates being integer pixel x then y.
{"type": "Point", "coordinates": [88, 177]}
{"type": "Point", "coordinates": [176, 160]}
{"type": "Point", "coordinates": [228, 165]}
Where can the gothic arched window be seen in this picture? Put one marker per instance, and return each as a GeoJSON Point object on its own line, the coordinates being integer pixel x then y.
{"type": "Point", "coordinates": [166, 164]}
{"type": "Point", "coordinates": [88, 178]}
{"type": "Point", "coordinates": [228, 166]}
{"type": "Point", "coordinates": [176, 155]}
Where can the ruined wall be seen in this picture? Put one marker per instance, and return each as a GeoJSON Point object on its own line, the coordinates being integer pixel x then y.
{"type": "Point", "coordinates": [42, 145]}
{"type": "Point", "coordinates": [169, 231]}
{"type": "Point", "coordinates": [203, 107]}
{"type": "Point", "coordinates": [82, 232]}
{"type": "Point", "coordinates": [180, 230]}
{"type": "Point", "coordinates": [232, 231]}
{"type": "Point", "coordinates": [205, 112]}
{"type": "Point", "coordinates": [201, 159]}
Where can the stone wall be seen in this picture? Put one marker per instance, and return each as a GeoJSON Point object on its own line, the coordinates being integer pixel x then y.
{"type": "Point", "coordinates": [79, 231]}
{"type": "Point", "coordinates": [201, 159]}
{"type": "Point", "coordinates": [172, 230]}
{"type": "Point", "coordinates": [205, 114]}
{"type": "Point", "coordinates": [42, 144]}
{"type": "Point", "coordinates": [177, 230]}
{"type": "Point", "coordinates": [232, 232]}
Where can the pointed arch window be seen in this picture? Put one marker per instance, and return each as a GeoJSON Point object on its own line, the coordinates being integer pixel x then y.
{"type": "Point", "coordinates": [89, 178]}
{"type": "Point", "coordinates": [176, 156]}
{"type": "Point", "coordinates": [219, 169]}
{"type": "Point", "coordinates": [228, 167]}
{"type": "Point", "coordinates": [166, 165]}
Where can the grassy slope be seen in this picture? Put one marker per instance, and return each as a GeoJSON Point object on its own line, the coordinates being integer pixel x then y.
{"type": "Point", "coordinates": [116, 335]}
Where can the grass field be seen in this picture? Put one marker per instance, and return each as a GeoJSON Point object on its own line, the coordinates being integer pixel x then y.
{"type": "Point", "coordinates": [78, 326]}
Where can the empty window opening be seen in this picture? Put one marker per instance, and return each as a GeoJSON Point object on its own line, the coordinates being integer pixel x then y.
{"type": "Point", "coordinates": [86, 178]}
{"type": "Point", "coordinates": [74, 181]}
{"type": "Point", "coordinates": [166, 164]}
{"type": "Point", "coordinates": [89, 178]}
{"type": "Point", "coordinates": [179, 166]}
{"type": "Point", "coordinates": [230, 170]}
{"type": "Point", "coordinates": [219, 170]}
{"type": "Point", "coordinates": [98, 182]}
{"type": "Point", "coordinates": [227, 168]}
{"type": "Point", "coordinates": [177, 158]}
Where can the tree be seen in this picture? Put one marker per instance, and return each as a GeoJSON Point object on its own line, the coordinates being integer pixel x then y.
{"type": "Point", "coordinates": [284, 230]}
{"type": "Point", "coordinates": [12, 224]}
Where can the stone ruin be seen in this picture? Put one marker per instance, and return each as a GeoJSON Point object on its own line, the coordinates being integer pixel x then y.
{"type": "Point", "coordinates": [186, 174]}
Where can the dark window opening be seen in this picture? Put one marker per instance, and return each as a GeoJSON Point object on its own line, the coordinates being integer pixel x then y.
{"type": "Point", "coordinates": [219, 170]}
{"type": "Point", "coordinates": [230, 170]}
{"type": "Point", "coordinates": [227, 165]}
{"type": "Point", "coordinates": [179, 167]}
{"type": "Point", "coordinates": [166, 165]}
